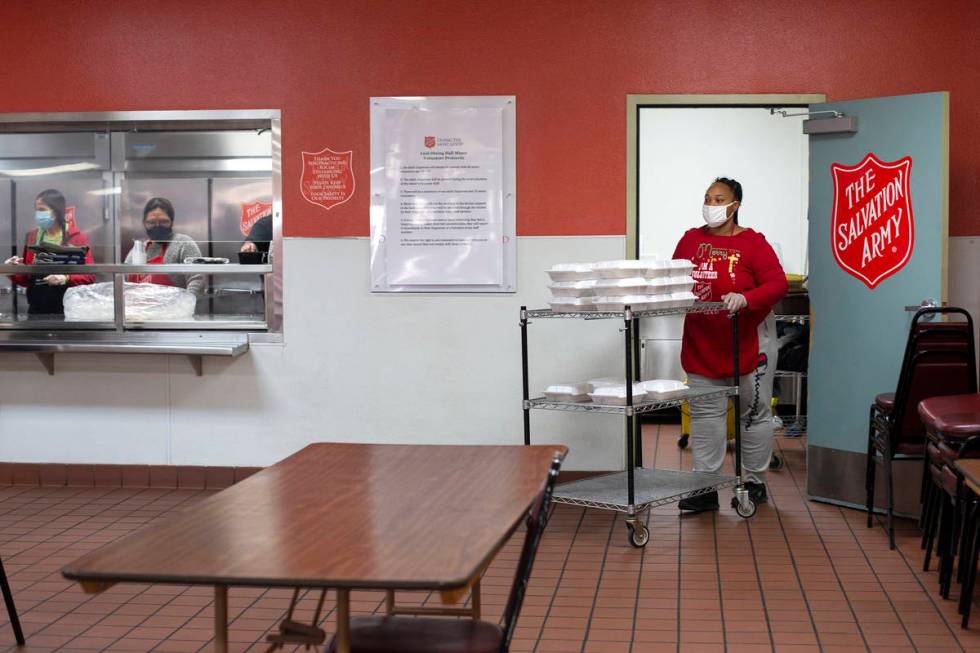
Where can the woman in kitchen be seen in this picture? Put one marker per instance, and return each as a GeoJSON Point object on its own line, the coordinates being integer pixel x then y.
{"type": "Point", "coordinates": [165, 246]}
{"type": "Point", "coordinates": [46, 292]}
{"type": "Point", "coordinates": [736, 266]}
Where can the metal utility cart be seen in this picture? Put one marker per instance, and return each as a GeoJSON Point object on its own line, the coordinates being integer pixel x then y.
{"type": "Point", "coordinates": [636, 489]}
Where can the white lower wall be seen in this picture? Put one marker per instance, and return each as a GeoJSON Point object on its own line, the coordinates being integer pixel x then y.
{"type": "Point", "coordinates": [355, 366]}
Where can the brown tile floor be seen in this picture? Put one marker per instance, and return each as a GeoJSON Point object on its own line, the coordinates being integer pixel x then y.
{"type": "Point", "coordinates": [800, 576]}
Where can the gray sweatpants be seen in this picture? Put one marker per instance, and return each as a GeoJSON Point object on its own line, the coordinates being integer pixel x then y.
{"type": "Point", "coordinates": [708, 415]}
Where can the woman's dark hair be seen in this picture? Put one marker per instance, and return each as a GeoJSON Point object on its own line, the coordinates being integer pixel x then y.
{"type": "Point", "coordinates": [736, 189]}
{"type": "Point", "coordinates": [55, 201]}
{"type": "Point", "coordinates": [159, 203]}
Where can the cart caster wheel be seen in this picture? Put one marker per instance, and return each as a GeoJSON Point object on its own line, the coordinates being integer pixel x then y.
{"type": "Point", "coordinates": [682, 441]}
{"type": "Point", "coordinates": [746, 510]}
{"type": "Point", "coordinates": [776, 462]}
{"type": "Point", "coordinates": [639, 534]}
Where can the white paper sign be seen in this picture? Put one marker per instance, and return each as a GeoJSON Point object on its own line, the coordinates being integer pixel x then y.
{"type": "Point", "coordinates": [443, 196]}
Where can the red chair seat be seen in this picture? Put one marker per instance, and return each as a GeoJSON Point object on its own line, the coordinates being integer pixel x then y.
{"type": "Point", "coordinates": [917, 449]}
{"type": "Point", "coordinates": [885, 402]}
{"type": "Point", "coordinates": [952, 416]}
{"type": "Point", "coordinates": [421, 635]}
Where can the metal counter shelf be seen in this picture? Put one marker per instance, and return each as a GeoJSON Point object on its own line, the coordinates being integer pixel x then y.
{"type": "Point", "coordinates": [149, 268]}
{"type": "Point", "coordinates": [544, 403]}
{"type": "Point", "coordinates": [654, 487]}
{"type": "Point", "coordinates": [193, 345]}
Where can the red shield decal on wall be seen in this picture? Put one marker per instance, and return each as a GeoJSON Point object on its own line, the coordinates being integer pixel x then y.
{"type": "Point", "coordinates": [430, 141]}
{"type": "Point", "coordinates": [328, 177]}
{"type": "Point", "coordinates": [251, 212]}
{"type": "Point", "coordinates": [872, 228]}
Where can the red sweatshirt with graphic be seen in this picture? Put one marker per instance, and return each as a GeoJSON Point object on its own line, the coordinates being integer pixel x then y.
{"type": "Point", "coordinates": [744, 263]}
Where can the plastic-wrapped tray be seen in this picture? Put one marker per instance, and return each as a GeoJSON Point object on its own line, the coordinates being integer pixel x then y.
{"type": "Point", "coordinates": [571, 304]}
{"type": "Point", "coordinates": [571, 272]}
{"type": "Point", "coordinates": [663, 389]}
{"type": "Point", "coordinates": [585, 288]}
{"type": "Point", "coordinates": [615, 395]}
{"type": "Point", "coordinates": [568, 392]}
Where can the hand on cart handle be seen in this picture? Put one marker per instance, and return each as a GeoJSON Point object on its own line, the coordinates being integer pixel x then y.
{"type": "Point", "coordinates": [734, 302]}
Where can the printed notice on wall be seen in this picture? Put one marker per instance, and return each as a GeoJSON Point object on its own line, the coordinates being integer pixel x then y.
{"type": "Point", "coordinates": [443, 200]}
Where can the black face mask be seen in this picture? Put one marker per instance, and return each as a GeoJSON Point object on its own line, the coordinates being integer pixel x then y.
{"type": "Point", "coordinates": [160, 233]}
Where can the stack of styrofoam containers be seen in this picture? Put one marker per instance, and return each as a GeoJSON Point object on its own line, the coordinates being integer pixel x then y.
{"type": "Point", "coordinates": [612, 392]}
{"type": "Point", "coordinates": [643, 284]}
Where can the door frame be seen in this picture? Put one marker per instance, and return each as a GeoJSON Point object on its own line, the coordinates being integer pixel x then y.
{"type": "Point", "coordinates": [635, 102]}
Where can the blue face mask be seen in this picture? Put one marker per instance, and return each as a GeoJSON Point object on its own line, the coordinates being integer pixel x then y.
{"type": "Point", "coordinates": [44, 219]}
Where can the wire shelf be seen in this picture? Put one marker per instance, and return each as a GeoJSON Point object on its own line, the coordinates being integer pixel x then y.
{"type": "Point", "coordinates": [697, 307]}
{"type": "Point", "coordinates": [653, 487]}
{"type": "Point", "coordinates": [544, 403]}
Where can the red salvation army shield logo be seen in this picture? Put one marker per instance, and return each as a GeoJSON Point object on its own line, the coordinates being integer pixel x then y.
{"type": "Point", "coordinates": [430, 141]}
{"type": "Point", "coordinates": [328, 177]}
{"type": "Point", "coordinates": [251, 212]}
{"type": "Point", "coordinates": [872, 228]}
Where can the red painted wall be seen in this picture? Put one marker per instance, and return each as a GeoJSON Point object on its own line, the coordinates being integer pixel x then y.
{"type": "Point", "coordinates": [570, 63]}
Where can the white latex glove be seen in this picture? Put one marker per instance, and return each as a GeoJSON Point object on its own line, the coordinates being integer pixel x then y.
{"type": "Point", "coordinates": [13, 260]}
{"type": "Point", "coordinates": [734, 302]}
{"type": "Point", "coordinates": [248, 246]}
{"type": "Point", "coordinates": [56, 279]}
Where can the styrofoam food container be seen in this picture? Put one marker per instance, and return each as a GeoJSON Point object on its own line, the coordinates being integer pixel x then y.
{"type": "Point", "coordinates": [680, 267]}
{"type": "Point", "coordinates": [571, 272]}
{"type": "Point", "coordinates": [621, 269]}
{"type": "Point", "coordinates": [584, 288]}
{"type": "Point", "coordinates": [571, 304]}
{"type": "Point", "coordinates": [659, 269]}
{"type": "Point", "coordinates": [606, 381]}
{"type": "Point", "coordinates": [615, 395]}
{"type": "Point", "coordinates": [636, 302]}
{"type": "Point", "coordinates": [682, 299]}
{"type": "Point", "coordinates": [568, 392]}
{"type": "Point", "coordinates": [668, 285]}
{"type": "Point", "coordinates": [621, 287]}
{"type": "Point", "coordinates": [663, 389]}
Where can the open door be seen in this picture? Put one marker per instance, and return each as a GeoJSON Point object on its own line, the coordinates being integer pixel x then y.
{"type": "Point", "coordinates": [877, 244]}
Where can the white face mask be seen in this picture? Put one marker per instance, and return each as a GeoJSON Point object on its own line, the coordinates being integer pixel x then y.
{"type": "Point", "coordinates": [715, 216]}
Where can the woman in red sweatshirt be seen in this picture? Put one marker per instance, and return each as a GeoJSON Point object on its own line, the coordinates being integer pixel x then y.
{"type": "Point", "coordinates": [45, 292]}
{"type": "Point", "coordinates": [736, 266]}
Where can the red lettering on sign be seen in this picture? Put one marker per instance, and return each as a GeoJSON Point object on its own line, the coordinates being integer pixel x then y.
{"type": "Point", "coordinates": [328, 177]}
{"type": "Point", "coordinates": [872, 228]}
{"type": "Point", "coordinates": [251, 212]}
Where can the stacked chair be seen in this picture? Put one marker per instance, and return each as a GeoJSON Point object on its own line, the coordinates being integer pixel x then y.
{"type": "Point", "coordinates": [939, 360]}
{"type": "Point", "coordinates": [951, 509]}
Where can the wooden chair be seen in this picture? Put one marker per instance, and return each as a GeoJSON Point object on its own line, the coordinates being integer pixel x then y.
{"type": "Point", "coordinates": [939, 360]}
{"type": "Point", "coordinates": [404, 634]}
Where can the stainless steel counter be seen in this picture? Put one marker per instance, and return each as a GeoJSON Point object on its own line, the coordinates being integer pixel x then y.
{"type": "Point", "coordinates": [45, 345]}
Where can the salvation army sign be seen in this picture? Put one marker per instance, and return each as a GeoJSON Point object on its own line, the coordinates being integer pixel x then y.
{"type": "Point", "coordinates": [251, 212]}
{"type": "Point", "coordinates": [328, 177]}
{"type": "Point", "coordinates": [872, 229]}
